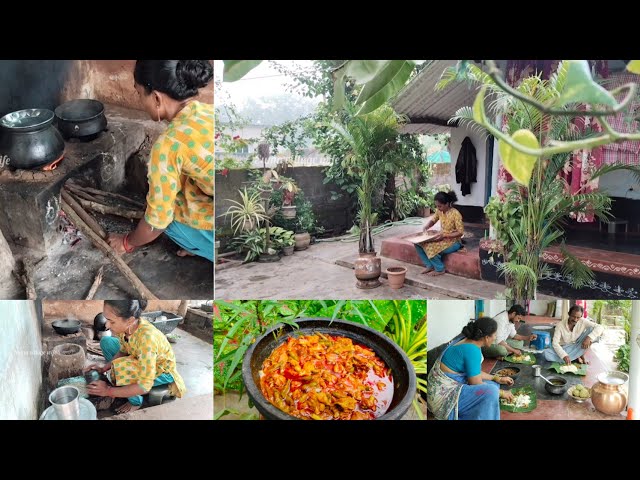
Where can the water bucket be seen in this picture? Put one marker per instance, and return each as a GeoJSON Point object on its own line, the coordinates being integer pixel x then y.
{"type": "Point", "coordinates": [542, 341]}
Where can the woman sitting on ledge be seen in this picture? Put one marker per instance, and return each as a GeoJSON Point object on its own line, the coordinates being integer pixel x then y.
{"type": "Point", "coordinates": [447, 240]}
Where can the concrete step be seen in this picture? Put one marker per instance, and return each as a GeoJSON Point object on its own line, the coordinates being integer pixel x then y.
{"type": "Point", "coordinates": [463, 264]}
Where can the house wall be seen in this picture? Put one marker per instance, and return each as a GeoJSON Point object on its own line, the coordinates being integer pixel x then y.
{"type": "Point", "coordinates": [109, 81]}
{"type": "Point", "coordinates": [86, 310]}
{"type": "Point", "coordinates": [618, 184]}
{"type": "Point", "coordinates": [477, 196]}
{"type": "Point", "coordinates": [20, 360]}
{"type": "Point", "coordinates": [48, 83]}
{"type": "Point", "coordinates": [446, 319]}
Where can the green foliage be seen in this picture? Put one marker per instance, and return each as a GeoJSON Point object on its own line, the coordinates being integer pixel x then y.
{"type": "Point", "coordinates": [249, 211]}
{"type": "Point", "coordinates": [236, 69]}
{"type": "Point", "coordinates": [532, 216]}
{"type": "Point", "coordinates": [623, 357]}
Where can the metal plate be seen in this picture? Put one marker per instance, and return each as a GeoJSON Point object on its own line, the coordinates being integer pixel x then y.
{"type": "Point", "coordinates": [29, 118]}
{"type": "Point", "coordinates": [87, 411]}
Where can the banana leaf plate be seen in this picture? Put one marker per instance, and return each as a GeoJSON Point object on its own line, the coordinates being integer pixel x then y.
{"type": "Point", "coordinates": [512, 359]}
{"type": "Point", "coordinates": [527, 390]}
{"type": "Point", "coordinates": [582, 368]}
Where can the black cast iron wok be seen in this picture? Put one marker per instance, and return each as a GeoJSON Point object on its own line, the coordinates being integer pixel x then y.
{"type": "Point", "coordinates": [404, 378]}
{"type": "Point", "coordinates": [80, 118]}
{"type": "Point", "coordinates": [66, 327]}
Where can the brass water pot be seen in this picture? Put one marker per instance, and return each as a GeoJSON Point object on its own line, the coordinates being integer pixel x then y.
{"type": "Point", "coordinates": [608, 394]}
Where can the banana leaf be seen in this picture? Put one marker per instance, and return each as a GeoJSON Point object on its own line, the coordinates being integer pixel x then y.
{"type": "Point", "coordinates": [511, 359]}
{"type": "Point", "coordinates": [527, 390]}
{"type": "Point", "coordinates": [582, 368]}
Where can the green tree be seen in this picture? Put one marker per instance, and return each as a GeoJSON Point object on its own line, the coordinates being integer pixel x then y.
{"type": "Point", "coordinates": [539, 203]}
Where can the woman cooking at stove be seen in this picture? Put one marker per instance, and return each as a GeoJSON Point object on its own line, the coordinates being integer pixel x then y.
{"type": "Point", "coordinates": [180, 198]}
{"type": "Point", "coordinates": [138, 356]}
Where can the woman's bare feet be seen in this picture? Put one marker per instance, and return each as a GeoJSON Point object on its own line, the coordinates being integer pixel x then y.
{"type": "Point", "coordinates": [426, 270]}
{"type": "Point", "coordinates": [184, 253]}
{"type": "Point", "coordinates": [126, 408]}
{"type": "Point", "coordinates": [435, 273]}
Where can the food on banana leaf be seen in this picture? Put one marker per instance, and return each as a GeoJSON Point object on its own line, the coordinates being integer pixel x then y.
{"type": "Point", "coordinates": [568, 369]}
{"type": "Point", "coordinates": [520, 400]}
{"type": "Point", "coordinates": [325, 377]}
{"type": "Point", "coordinates": [521, 358]}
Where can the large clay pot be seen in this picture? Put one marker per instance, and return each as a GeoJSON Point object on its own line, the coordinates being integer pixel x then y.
{"type": "Point", "coordinates": [607, 395]}
{"type": "Point", "coordinates": [368, 268]}
{"type": "Point", "coordinates": [302, 240]}
{"type": "Point", "coordinates": [396, 276]}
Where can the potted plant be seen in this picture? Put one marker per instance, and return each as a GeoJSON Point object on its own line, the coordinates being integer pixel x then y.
{"type": "Point", "coordinates": [289, 246]}
{"type": "Point", "coordinates": [373, 146]}
{"type": "Point", "coordinates": [289, 190]}
{"type": "Point", "coordinates": [246, 214]}
{"type": "Point", "coordinates": [305, 223]}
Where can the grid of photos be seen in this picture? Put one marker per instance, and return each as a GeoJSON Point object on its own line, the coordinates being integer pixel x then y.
{"type": "Point", "coordinates": [106, 239]}
{"type": "Point", "coordinates": [479, 217]}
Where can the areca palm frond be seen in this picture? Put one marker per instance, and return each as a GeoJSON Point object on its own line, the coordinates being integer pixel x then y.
{"type": "Point", "coordinates": [580, 274]}
{"type": "Point", "coordinates": [604, 169]}
{"type": "Point", "coordinates": [464, 117]}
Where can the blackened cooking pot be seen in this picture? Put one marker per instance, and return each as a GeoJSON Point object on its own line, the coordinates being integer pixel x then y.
{"type": "Point", "coordinates": [28, 138]}
{"type": "Point", "coordinates": [80, 118]}
{"type": "Point", "coordinates": [66, 327]}
{"type": "Point", "coordinates": [404, 377]}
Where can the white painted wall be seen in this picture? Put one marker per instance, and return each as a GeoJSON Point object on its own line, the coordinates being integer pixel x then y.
{"type": "Point", "coordinates": [494, 307]}
{"type": "Point", "coordinates": [617, 184]}
{"type": "Point", "coordinates": [445, 319]}
{"type": "Point", "coordinates": [20, 360]}
{"type": "Point", "coordinates": [479, 142]}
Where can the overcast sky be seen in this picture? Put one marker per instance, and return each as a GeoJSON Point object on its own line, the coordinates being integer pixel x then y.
{"type": "Point", "coordinates": [260, 82]}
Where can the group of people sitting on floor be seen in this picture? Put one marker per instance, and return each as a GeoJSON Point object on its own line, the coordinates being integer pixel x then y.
{"type": "Point", "coordinates": [458, 389]}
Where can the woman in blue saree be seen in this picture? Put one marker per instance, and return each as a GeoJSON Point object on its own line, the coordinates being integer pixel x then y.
{"type": "Point", "coordinates": [457, 388]}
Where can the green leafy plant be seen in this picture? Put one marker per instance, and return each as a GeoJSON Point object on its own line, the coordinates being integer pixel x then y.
{"type": "Point", "coordinates": [623, 357]}
{"type": "Point", "coordinates": [252, 243]}
{"type": "Point", "coordinates": [247, 213]}
{"type": "Point", "coordinates": [543, 200]}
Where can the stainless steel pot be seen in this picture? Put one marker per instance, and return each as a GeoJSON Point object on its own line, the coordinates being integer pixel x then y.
{"type": "Point", "coordinates": [29, 140]}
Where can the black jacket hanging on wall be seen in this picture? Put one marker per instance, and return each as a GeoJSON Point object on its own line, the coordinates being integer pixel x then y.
{"type": "Point", "coordinates": [466, 166]}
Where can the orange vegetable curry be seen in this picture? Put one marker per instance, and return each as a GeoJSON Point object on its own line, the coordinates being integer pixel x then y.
{"type": "Point", "coordinates": [324, 377]}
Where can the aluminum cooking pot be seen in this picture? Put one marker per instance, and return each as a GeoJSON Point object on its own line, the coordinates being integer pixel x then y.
{"type": "Point", "coordinates": [80, 118]}
{"type": "Point", "coordinates": [28, 138]}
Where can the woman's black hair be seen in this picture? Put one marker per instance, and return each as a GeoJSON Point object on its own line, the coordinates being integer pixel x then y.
{"type": "Point", "coordinates": [576, 307]}
{"type": "Point", "coordinates": [446, 197]}
{"type": "Point", "coordinates": [480, 328]}
{"type": "Point", "coordinates": [127, 308]}
{"type": "Point", "coordinates": [180, 79]}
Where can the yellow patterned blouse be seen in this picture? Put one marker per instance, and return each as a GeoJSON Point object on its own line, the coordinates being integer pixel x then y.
{"type": "Point", "coordinates": [181, 171]}
{"type": "Point", "coordinates": [450, 222]}
{"type": "Point", "coordinates": [149, 355]}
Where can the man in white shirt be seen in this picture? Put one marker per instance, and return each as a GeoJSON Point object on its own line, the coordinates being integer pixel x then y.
{"type": "Point", "coordinates": [508, 342]}
{"type": "Point", "coordinates": [572, 337]}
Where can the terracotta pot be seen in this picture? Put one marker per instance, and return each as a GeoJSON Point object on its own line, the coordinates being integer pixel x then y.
{"type": "Point", "coordinates": [424, 212]}
{"type": "Point", "coordinates": [302, 240]}
{"type": "Point", "coordinates": [396, 276]}
{"type": "Point", "coordinates": [288, 211]}
{"type": "Point", "coordinates": [247, 225]}
{"type": "Point", "coordinates": [286, 251]}
{"type": "Point", "coordinates": [368, 268]}
{"type": "Point", "coordinates": [607, 395]}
